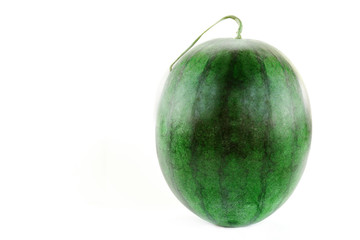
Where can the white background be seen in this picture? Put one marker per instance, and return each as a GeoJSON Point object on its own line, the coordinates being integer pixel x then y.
{"type": "Point", "coordinates": [79, 81]}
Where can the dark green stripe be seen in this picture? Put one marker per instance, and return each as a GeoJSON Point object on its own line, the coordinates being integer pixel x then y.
{"type": "Point", "coordinates": [225, 130]}
{"type": "Point", "coordinates": [267, 162]}
{"type": "Point", "coordinates": [196, 123]}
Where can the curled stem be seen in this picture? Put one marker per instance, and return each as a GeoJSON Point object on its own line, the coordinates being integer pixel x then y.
{"type": "Point", "coordinates": [238, 36]}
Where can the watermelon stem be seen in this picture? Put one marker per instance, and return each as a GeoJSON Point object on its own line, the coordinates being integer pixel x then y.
{"type": "Point", "coordinates": [238, 36]}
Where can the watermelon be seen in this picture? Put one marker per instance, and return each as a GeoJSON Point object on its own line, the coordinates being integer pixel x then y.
{"type": "Point", "coordinates": [233, 130]}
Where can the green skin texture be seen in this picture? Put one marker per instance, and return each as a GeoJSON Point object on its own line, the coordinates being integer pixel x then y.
{"type": "Point", "coordinates": [233, 130]}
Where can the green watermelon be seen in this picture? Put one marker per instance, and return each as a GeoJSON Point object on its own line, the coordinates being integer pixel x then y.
{"type": "Point", "coordinates": [233, 130]}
